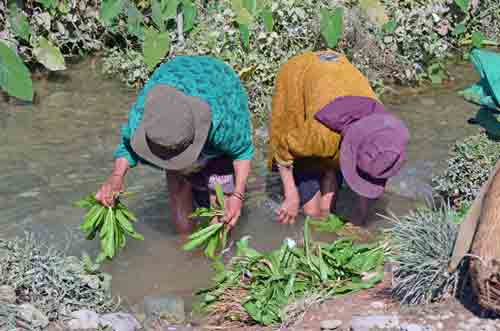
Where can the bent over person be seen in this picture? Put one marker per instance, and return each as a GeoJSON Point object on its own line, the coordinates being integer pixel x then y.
{"type": "Point", "coordinates": [192, 120]}
{"type": "Point", "coordinates": [328, 126]}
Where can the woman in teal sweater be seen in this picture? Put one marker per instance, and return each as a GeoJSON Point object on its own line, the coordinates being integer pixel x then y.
{"type": "Point", "coordinates": [192, 120]}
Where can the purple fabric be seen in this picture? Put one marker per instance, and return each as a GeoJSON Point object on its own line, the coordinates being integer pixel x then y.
{"type": "Point", "coordinates": [343, 111]}
{"type": "Point", "coordinates": [373, 149]}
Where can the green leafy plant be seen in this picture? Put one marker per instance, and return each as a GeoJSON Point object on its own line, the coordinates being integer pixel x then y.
{"type": "Point", "coordinates": [332, 25]}
{"type": "Point", "coordinates": [256, 287]}
{"type": "Point", "coordinates": [111, 224]}
{"type": "Point", "coordinates": [213, 237]}
{"type": "Point", "coordinates": [15, 78]}
{"type": "Point", "coordinates": [247, 12]}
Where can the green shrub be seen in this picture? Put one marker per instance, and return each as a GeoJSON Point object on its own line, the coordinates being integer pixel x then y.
{"type": "Point", "coordinates": [469, 166]}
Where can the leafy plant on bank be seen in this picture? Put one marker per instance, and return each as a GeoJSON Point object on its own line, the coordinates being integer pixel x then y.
{"type": "Point", "coordinates": [255, 287]}
{"type": "Point", "coordinates": [44, 32]}
{"type": "Point", "coordinates": [468, 167]}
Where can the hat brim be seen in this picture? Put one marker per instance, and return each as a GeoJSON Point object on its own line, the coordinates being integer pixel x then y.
{"type": "Point", "coordinates": [202, 122]}
{"type": "Point", "coordinates": [353, 138]}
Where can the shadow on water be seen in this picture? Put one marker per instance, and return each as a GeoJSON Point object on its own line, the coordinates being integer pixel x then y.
{"type": "Point", "coordinates": [60, 150]}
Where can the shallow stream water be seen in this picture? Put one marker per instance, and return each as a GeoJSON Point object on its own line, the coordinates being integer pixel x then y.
{"type": "Point", "coordinates": [60, 149]}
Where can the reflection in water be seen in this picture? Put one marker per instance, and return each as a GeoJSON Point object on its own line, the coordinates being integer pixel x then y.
{"type": "Point", "coordinates": [55, 152]}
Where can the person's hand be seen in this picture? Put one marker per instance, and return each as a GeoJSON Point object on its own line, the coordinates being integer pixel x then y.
{"type": "Point", "coordinates": [289, 210]}
{"type": "Point", "coordinates": [109, 190]}
{"type": "Point", "coordinates": [232, 211]}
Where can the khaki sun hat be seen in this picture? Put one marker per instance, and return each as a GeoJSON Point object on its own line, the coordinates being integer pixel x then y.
{"type": "Point", "coordinates": [173, 130]}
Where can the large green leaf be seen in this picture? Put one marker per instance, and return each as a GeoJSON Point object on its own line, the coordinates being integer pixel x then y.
{"type": "Point", "coordinates": [189, 14]}
{"type": "Point", "coordinates": [110, 9]}
{"type": "Point", "coordinates": [459, 29]}
{"type": "Point", "coordinates": [463, 5]}
{"type": "Point", "coordinates": [237, 5]}
{"type": "Point", "coordinates": [15, 78]}
{"type": "Point", "coordinates": [251, 6]}
{"type": "Point", "coordinates": [243, 17]}
{"type": "Point", "coordinates": [478, 39]}
{"type": "Point", "coordinates": [267, 17]}
{"type": "Point", "coordinates": [331, 26]}
{"type": "Point", "coordinates": [245, 35]}
{"type": "Point", "coordinates": [156, 47]}
{"type": "Point", "coordinates": [49, 55]}
{"type": "Point", "coordinates": [157, 14]}
{"type": "Point", "coordinates": [169, 8]}
{"type": "Point", "coordinates": [19, 23]}
{"type": "Point", "coordinates": [135, 21]}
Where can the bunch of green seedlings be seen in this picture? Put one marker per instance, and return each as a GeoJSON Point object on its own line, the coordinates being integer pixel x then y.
{"type": "Point", "coordinates": [212, 236]}
{"type": "Point", "coordinates": [423, 242]}
{"type": "Point", "coordinates": [256, 287]}
{"type": "Point", "coordinates": [111, 223]}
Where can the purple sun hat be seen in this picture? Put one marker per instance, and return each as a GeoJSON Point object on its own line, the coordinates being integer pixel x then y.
{"type": "Point", "coordinates": [373, 149]}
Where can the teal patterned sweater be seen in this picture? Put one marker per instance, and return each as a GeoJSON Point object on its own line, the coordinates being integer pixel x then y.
{"type": "Point", "coordinates": [217, 84]}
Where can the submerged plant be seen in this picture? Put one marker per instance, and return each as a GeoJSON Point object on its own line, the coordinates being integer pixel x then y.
{"type": "Point", "coordinates": [423, 242]}
{"type": "Point", "coordinates": [111, 224]}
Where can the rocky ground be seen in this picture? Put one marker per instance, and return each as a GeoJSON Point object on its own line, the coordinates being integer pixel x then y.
{"type": "Point", "coordinates": [371, 310]}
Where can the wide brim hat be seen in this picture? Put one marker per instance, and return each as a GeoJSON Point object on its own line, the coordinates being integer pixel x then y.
{"type": "Point", "coordinates": [165, 111]}
{"type": "Point", "coordinates": [394, 140]}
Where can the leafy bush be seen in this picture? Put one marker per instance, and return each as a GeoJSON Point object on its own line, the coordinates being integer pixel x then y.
{"type": "Point", "coordinates": [423, 242]}
{"type": "Point", "coordinates": [468, 167]}
{"type": "Point", "coordinates": [403, 42]}
{"type": "Point", "coordinates": [72, 26]}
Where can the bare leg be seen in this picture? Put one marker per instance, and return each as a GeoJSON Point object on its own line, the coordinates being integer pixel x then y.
{"type": "Point", "coordinates": [329, 189]}
{"type": "Point", "coordinates": [180, 202]}
{"type": "Point", "coordinates": [312, 208]}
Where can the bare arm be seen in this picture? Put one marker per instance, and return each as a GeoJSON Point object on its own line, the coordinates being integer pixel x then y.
{"type": "Point", "coordinates": [241, 173]}
{"type": "Point", "coordinates": [290, 207]}
{"type": "Point", "coordinates": [121, 167]}
{"type": "Point", "coordinates": [235, 201]}
{"type": "Point", "coordinates": [114, 183]}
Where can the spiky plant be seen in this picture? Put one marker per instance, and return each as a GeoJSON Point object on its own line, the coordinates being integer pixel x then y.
{"type": "Point", "coordinates": [423, 244]}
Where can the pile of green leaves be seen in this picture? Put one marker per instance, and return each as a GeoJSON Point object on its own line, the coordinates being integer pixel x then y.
{"type": "Point", "coordinates": [212, 236]}
{"type": "Point", "coordinates": [271, 281]}
{"type": "Point", "coordinates": [112, 224]}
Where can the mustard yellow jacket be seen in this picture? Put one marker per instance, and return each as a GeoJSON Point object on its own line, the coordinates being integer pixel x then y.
{"type": "Point", "coordinates": [304, 85]}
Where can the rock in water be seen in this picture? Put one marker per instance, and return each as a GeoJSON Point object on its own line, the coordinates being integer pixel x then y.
{"type": "Point", "coordinates": [375, 323]}
{"type": "Point", "coordinates": [7, 294]}
{"type": "Point", "coordinates": [330, 325]}
{"type": "Point", "coordinates": [169, 308]}
{"type": "Point", "coordinates": [83, 319]}
{"type": "Point", "coordinates": [120, 322]}
{"type": "Point", "coordinates": [35, 317]}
